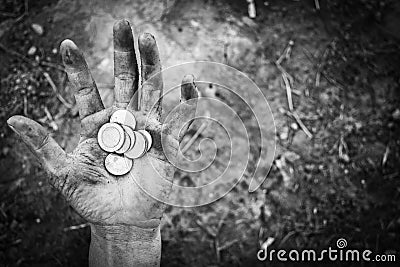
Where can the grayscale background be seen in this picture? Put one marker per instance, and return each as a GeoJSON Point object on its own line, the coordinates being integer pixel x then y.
{"type": "Point", "coordinates": [336, 172]}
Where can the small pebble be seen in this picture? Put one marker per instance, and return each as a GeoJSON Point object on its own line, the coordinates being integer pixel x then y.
{"type": "Point", "coordinates": [37, 28]}
{"type": "Point", "coordinates": [194, 23]}
{"type": "Point", "coordinates": [396, 114]}
{"type": "Point", "coordinates": [32, 51]}
{"type": "Point", "coordinates": [281, 110]}
{"type": "Point", "coordinates": [284, 134]}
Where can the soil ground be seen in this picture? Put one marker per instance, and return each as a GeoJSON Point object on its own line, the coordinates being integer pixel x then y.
{"type": "Point", "coordinates": [344, 182]}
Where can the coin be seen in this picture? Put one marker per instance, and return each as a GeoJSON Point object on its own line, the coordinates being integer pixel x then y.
{"type": "Point", "coordinates": [127, 144]}
{"type": "Point", "coordinates": [148, 137]}
{"type": "Point", "coordinates": [124, 117]}
{"type": "Point", "coordinates": [111, 137]}
{"type": "Point", "coordinates": [117, 164]}
{"type": "Point", "coordinates": [139, 148]}
{"type": "Point", "coordinates": [131, 134]}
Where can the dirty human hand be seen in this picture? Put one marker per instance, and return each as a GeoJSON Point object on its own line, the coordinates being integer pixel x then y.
{"type": "Point", "coordinates": [124, 218]}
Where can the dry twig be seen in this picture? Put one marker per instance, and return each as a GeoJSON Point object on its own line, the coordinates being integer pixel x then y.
{"type": "Point", "coordinates": [52, 123]}
{"type": "Point", "coordinates": [287, 78]}
{"type": "Point", "coordinates": [195, 136]}
{"type": "Point", "coordinates": [206, 229]}
{"type": "Point", "coordinates": [54, 87]}
{"type": "Point", "coordinates": [317, 6]}
{"type": "Point", "coordinates": [301, 124]}
{"type": "Point", "coordinates": [298, 120]}
{"type": "Point", "coordinates": [26, 11]}
{"type": "Point", "coordinates": [385, 156]}
{"type": "Point", "coordinates": [76, 227]}
{"type": "Point", "coordinates": [286, 52]}
{"type": "Point", "coordinates": [228, 244]}
{"type": "Point", "coordinates": [222, 220]}
{"type": "Point", "coordinates": [320, 66]}
{"type": "Point", "coordinates": [53, 65]}
{"type": "Point", "coordinates": [288, 91]}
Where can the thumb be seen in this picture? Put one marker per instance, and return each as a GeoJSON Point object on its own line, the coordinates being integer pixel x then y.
{"type": "Point", "coordinates": [42, 145]}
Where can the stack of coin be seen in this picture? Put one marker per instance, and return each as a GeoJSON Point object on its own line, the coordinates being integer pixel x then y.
{"type": "Point", "coordinates": [124, 143]}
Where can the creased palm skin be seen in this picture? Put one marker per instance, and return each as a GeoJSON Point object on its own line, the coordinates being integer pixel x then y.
{"type": "Point", "coordinates": [102, 198]}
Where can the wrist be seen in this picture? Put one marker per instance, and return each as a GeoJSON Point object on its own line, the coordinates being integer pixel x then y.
{"type": "Point", "coordinates": [123, 233]}
{"type": "Point", "coordinates": [124, 245]}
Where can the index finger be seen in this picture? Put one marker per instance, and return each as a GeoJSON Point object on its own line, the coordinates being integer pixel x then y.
{"type": "Point", "coordinates": [125, 65]}
{"type": "Point", "coordinates": [86, 94]}
{"type": "Point", "coordinates": [151, 91]}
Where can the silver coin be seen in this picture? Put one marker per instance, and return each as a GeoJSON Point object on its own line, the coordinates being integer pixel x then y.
{"type": "Point", "coordinates": [124, 117]}
{"type": "Point", "coordinates": [131, 134]}
{"type": "Point", "coordinates": [139, 148]}
{"type": "Point", "coordinates": [127, 144]}
{"type": "Point", "coordinates": [117, 164]}
{"type": "Point", "coordinates": [148, 137]}
{"type": "Point", "coordinates": [111, 137]}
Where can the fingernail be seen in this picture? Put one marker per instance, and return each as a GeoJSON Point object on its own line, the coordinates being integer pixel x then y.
{"type": "Point", "coordinates": [71, 55]}
{"type": "Point", "coordinates": [148, 49]}
{"type": "Point", "coordinates": [123, 37]}
{"type": "Point", "coordinates": [30, 131]}
{"type": "Point", "coordinates": [13, 122]}
{"type": "Point", "coordinates": [188, 89]}
{"type": "Point", "coordinates": [188, 78]}
{"type": "Point", "coordinates": [147, 39]}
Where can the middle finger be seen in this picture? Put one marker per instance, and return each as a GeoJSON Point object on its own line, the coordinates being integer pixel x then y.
{"type": "Point", "coordinates": [125, 66]}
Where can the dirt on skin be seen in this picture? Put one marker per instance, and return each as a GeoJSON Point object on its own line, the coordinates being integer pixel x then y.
{"type": "Point", "coordinates": [341, 183]}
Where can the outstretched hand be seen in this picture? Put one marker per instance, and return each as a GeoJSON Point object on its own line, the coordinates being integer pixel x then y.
{"type": "Point", "coordinates": [98, 196]}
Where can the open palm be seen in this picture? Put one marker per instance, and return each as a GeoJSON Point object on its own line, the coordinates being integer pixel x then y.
{"type": "Point", "coordinates": [81, 177]}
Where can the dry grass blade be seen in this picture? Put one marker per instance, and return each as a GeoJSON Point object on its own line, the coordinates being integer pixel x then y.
{"type": "Point", "coordinates": [228, 244]}
{"type": "Point", "coordinates": [53, 65]}
{"type": "Point", "coordinates": [76, 227]}
{"type": "Point", "coordinates": [298, 120]}
{"type": "Point", "coordinates": [301, 124]}
{"type": "Point", "coordinates": [288, 91]}
{"type": "Point", "coordinates": [385, 155]}
{"type": "Point", "coordinates": [287, 78]}
{"type": "Point", "coordinates": [317, 6]}
{"type": "Point", "coordinates": [194, 137]}
{"type": "Point", "coordinates": [206, 229]}
{"type": "Point", "coordinates": [52, 123]}
{"type": "Point", "coordinates": [54, 87]}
